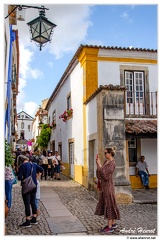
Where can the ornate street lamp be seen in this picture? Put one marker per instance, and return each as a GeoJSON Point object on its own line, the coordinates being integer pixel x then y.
{"type": "Point", "coordinates": [41, 29]}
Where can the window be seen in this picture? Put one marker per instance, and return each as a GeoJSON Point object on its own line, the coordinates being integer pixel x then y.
{"type": "Point", "coordinates": [69, 101]}
{"type": "Point", "coordinates": [135, 93]}
{"type": "Point", "coordinates": [71, 148]}
{"type": "Point", "coordinates": [134, 82]}
{"type": "Point", "coordinates": [54, 116]}
{"type": "Point", "coordinates": [132, 148]}
{"type": "Point", "coordinates": [22, 125]}
{"type": "Point", "coordinates": [60, 149]}
{"type": "Point", "coordinates": [29, 127]}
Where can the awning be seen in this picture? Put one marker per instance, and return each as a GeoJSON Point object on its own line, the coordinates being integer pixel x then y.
{"type": "Point", "coordinates": [141, 126]}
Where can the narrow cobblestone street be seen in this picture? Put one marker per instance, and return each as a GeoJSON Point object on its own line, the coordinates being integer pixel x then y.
{"type": "Point", "coordinates": [136, 219]}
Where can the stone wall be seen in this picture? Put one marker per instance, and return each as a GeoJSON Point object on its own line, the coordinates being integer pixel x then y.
{"type": "Point", "coordinates": [113, 128]}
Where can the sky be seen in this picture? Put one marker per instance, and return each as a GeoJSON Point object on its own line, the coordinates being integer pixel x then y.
{"type": "Point", "coordinates": [124, 25]}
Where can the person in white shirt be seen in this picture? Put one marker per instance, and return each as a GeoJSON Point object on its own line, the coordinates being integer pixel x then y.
{"type": "Point", "coordinates": [58, 162]}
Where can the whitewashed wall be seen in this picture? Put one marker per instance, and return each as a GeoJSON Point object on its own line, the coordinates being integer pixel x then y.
{"type": "Point", "coordinates": [153, 76]}
{"type": "Point", "coordinates": [149, 150]}
{"type": "Point", "coordinates": [73, 127]}
{"type": "Point", "coordinates": [92, 117]}
{"type": "Point", "coordinates": [109, 73]}
{"type": "Point", "coordinates": [35, 129]}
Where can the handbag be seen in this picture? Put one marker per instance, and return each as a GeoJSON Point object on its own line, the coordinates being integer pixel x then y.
{"type": "Point", "coordinates": [62, 167]}
{"type": "Point", "coordinates": [28, 184]}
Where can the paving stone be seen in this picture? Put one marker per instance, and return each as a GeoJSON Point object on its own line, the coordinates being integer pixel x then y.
{"type": "Point", "coordinates": [79, 204]}
{"type": "Point", "coordinates": [65, 225]}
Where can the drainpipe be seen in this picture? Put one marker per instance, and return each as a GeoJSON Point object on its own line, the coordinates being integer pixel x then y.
{"type": "Point", "coordinates": [9, 82]}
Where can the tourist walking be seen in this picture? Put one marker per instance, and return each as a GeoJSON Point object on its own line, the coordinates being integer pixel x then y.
{"type": "Point", "coordinates": [29, 198]}
{"type": "Point", "coordinates": [50, 165]}
{"type": "Point", "coordinates": [58, 162]}
{"type": "Point", "coordinates": [44, 165]}
{"type": "Point", "coordinates": [107, 203]}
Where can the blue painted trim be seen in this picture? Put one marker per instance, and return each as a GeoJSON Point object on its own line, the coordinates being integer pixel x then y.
{"type": "Point", "coordinates": [9, 82]}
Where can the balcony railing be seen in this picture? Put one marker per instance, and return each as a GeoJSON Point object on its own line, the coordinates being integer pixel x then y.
{"type": "Point", "coordinates": [141, 104]}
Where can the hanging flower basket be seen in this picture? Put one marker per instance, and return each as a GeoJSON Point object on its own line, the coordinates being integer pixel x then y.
{"type": "Point", "coordinates": [66, 115]}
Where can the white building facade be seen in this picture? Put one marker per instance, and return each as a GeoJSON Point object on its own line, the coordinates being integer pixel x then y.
{"type": "Point", "coordinates": [24, 128]}
{"type": "Point", "coordinates": [109, 90]}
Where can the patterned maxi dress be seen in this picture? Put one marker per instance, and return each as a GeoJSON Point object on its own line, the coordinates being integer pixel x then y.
{"type": "Point", "coordinates": [107, 203]}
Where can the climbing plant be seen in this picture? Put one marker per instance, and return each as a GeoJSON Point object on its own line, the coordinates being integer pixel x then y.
{"type": "Point", "coordinates": [8, 154]}
{"type": "Point", "coordinates": [44, 136]}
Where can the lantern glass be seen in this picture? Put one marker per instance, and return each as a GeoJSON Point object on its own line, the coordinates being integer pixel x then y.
{"type": "Point", "coordinates": [41, 30]}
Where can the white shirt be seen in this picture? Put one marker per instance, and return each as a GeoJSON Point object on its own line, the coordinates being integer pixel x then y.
{"type": "Point", "coordinates": [56, 158]}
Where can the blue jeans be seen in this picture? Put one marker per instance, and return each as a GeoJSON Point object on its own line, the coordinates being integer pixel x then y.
{"type": "Point", "coordinates": [8, 192]}
{"type": "Point", "coordinates": [144, 177]}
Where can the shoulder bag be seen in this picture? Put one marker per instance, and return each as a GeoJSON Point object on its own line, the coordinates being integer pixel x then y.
{"type": "Point", "coordinates": [28, 183]}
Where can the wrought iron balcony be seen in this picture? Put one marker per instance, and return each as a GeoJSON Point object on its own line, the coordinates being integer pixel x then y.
{"type": "Point", "coordinates": [141, 104]}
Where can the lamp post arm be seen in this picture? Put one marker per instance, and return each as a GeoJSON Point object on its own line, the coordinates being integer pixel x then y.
{"type": "Point", "coordinates": [25, 6]}
{"type": "Point", "coordinates": [11, 11]}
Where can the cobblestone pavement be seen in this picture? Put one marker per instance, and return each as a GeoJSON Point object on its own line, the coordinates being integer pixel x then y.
{"type": "Point", "coordinates": [136, 219]}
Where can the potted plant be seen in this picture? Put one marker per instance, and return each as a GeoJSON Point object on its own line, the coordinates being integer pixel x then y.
{"type": "Point", "coordinates": [66, 115]}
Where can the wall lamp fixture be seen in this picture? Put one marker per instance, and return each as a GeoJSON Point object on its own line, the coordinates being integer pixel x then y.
{"type": "Point", "coordinates": [41, 29]}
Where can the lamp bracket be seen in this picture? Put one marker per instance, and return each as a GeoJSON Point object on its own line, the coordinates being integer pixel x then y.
{"type": "Point", "coordinates": [25, 7]}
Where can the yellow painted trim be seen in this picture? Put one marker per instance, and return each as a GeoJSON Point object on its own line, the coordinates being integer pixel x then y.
{"type": "Point", "coordinates": [78, 174]}
{"type": "Point", "coordinates": [85, 176]}
{"type": "Point", "coordinates": [66, 171]}
{"type": "Point", "coordinates": [88, 54]}
{"type": "Point", "coordinates": [136, 181]}
{"type": "Point", "coordinates": [88, 60]}
{"type": "Point", "coordinates": [130, 60]}
{"type": "Point", "coordinates": [84, 136]}
{"type": "Point", "coordinates": [91, 54]}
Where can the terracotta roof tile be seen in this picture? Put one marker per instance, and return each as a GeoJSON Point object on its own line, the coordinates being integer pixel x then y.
{"type": "Point", "coordinates": [141, 126]}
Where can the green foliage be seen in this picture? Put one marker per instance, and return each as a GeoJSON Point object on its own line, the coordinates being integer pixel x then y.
{"type": "Point", "coordinates": [44, 136]}
{"type": "Point", "coordinates": [8, 154]}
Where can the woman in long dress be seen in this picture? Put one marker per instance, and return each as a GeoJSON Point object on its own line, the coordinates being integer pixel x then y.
{"type": "Point", "coordinates": [107, 203]}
